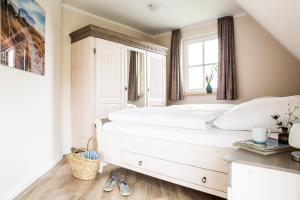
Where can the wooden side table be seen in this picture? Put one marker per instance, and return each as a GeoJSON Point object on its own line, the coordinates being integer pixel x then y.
{"type": "Point", "coordinates": [257, 177]}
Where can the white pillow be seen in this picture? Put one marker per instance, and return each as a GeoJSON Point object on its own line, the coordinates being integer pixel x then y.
{"type": "Point", "coordinates": [257, 113]}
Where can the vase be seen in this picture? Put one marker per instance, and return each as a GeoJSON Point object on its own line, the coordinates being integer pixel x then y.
{"type": "Point", "coordinates": [208, 88]}
{"type": "Point", "coordinates": [283, 137]}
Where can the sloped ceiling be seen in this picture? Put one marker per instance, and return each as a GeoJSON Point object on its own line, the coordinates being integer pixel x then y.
{"type": "Point", "coordinates": [280, 17]}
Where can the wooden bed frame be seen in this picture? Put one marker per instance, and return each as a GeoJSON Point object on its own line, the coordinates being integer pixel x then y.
{"type": "Point", "coordinates": [194, 166]}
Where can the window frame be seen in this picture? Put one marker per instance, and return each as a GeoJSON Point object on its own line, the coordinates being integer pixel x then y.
{"type": "Point", "coordinates": [185, 43]}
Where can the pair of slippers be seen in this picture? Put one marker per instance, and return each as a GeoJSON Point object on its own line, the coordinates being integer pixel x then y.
{"type": "Point", "coordinates": [123, 186]}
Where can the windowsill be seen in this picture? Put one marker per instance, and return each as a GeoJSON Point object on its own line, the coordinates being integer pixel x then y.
{"type": "Point", "coordinates": [199, 94]}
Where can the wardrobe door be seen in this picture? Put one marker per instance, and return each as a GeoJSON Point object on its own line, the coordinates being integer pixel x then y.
{"type": "Point", "coordinates": [83, 91]}
{"type": "Point", "coordinates": [110, 66]}
{"type": "Point", "coordinates": [156, 74]}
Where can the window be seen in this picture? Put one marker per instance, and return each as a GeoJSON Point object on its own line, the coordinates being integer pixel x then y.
{"type": "Point", "coordinates": [11, 58]}
{"type": "Point", "coordinates": [200, 59]}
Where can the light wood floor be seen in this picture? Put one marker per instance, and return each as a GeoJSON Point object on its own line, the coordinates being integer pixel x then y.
{"type": "Point", "coordinates": [58, 184]}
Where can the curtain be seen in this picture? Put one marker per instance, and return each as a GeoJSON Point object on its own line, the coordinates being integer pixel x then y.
{"type": "Point", "coordinates": [175, 90]}
{"type": "Point", "coordinates": [227, 86]}
{"type": "Point", "coordinates": [133, 77]}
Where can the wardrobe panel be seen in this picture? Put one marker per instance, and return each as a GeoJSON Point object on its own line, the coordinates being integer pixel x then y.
{"type": "Point", "coordinates": [156, 69]}
{"type": "Point", "coordinates": [110, 66]}
{"type": "Point", "coordinates": [83, 91]}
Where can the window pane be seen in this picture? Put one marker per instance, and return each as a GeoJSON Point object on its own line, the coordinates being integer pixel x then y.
{"type": "Point", "coordinates": [211, 51]}
{"type": "Point", "coordinates": [11, 58]}
{"type": "Point", "coordinates": [195, 78]}
{"type": "Point", "coordinates": [195, 56]}
{"type": "Point", "coordinates": [212, 71]}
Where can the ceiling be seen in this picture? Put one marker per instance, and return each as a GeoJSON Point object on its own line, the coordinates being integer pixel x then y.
{"type": "Point", "coordinates": [281, 19]}
{"type": "Point", "coordinates": [177, 14]}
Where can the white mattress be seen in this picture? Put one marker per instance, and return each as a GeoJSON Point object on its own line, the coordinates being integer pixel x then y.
{"type": "Point", "coordinates": [211, 137]}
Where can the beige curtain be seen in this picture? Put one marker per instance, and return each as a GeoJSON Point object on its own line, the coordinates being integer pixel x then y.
{"type": "Point", "coordinates": [227, 86]}
{"type": "Point", "coordinates": [133, 77]}
{"type": "Point", "coordinates": [175, 90]}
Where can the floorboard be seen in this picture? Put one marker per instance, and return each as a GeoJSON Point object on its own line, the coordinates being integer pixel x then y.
{"type": "Point", "coordinates": [58, 184]}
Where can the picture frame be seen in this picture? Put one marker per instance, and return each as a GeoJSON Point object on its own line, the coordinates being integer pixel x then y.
{"type": "Point", "coordinates": [23, 35]}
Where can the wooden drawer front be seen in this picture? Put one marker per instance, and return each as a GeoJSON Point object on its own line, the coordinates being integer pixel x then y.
{"type": "Point", "coordinates": [189, 154]}
{"type": "Point", "coordinates": [199, 176]}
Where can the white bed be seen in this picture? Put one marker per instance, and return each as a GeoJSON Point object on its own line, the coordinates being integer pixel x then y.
{"type": "Point", "coordinates": [178, 144]}
{"type": "Point", "coordinates": [181, 144]}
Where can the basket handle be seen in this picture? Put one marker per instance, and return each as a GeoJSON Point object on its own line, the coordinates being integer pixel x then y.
{"type": "Point", "coordinates": [79, 149]}
{"type": "Point", "coordinates": [89, 141]}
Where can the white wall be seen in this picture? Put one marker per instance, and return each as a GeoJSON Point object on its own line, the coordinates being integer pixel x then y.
{"type": "Point", "coordinates": [30, 115]}
{"type": "Point", "coordinates": [264, 66]}
{"type": "Point", "coordinates": [281, 19]}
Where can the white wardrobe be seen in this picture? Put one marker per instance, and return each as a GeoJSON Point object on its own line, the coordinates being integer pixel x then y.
{"type": "Point", "coordinates": [99, 77]}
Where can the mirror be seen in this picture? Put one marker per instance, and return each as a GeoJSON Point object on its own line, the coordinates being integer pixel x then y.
{"type": "Point", "coordinates": [136, 84]}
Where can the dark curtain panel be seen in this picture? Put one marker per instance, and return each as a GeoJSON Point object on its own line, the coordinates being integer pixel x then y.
{"type": "Point", "coordinates": [175, 90]}
{"type": "Point", "coordinates": [227, 89]}
{"type": "Point", "coordinates": [133, 77]}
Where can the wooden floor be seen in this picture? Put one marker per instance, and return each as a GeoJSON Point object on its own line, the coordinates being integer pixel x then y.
{"type": "Point", "coordinates": [58, 184]}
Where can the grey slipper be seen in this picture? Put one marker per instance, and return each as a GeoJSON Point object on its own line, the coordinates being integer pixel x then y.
{"type": "Point", "coordinates": [110, 184]}
{"type": "Point", "coordinates": [124, 187]}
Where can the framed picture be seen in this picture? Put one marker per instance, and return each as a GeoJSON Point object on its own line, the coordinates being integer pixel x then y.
{"type": "Point", "coordinates": [23, 35]}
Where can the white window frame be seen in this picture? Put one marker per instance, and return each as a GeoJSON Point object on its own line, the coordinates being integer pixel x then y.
{"type": "Point", "coordinates": [185, 44]}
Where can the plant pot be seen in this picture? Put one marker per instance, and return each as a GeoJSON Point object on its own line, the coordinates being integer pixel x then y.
{"type": "Point", "coordinates": [209, 89]}
{"type": "Point", "coordinates": [283, 137]}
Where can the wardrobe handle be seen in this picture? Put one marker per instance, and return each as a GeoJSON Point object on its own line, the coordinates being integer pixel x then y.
{"type": "Point", "coordinates": [126, 88]}
{"type": "Point", "coordinates": [148, 89]}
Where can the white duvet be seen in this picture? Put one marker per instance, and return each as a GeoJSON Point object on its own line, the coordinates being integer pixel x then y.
{"type": "Point", "coordinates": [180, 116]}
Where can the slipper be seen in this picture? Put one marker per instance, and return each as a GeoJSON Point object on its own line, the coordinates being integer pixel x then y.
{"type": "Point", "coordinates": [124, 187]}
{"type": "Point", "coordinates": [110, 184]}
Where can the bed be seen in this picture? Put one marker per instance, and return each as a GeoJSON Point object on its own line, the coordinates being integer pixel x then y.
{"type": "Point", "coordinates": [185, 144]}
{"type": "Point", "coordinates": [167, 144]}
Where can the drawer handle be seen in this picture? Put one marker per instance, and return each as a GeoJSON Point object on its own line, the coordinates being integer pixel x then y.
{"type": "Point", "coordinates": [204, 180]}
{"type": "Point", "coordinates": [140, 163]}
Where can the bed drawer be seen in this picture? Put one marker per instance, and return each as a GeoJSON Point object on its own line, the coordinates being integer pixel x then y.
{"type": "Point", "coordinates": [205, 157]}
{"type": "Point", "coordinates": [194, 175]}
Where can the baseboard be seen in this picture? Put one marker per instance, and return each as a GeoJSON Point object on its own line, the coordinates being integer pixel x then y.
{"type": "Point", "coordinates": [21, 186]}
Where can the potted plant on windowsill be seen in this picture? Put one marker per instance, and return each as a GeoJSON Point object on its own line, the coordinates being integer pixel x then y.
{"type": "Point", "coordinates": [283, 125]}
{"type": "Point", "coordinates": [209, 78]}
{"type": "Point", "coordinates": [208, 83]}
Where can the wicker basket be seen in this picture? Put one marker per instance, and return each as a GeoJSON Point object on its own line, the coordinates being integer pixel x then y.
{"type": "Point", "coordinates": [83, 168]}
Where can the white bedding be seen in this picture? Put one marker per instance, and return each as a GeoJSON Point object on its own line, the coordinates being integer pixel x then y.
{"type": "Point", "coordinates": [178, 116]}
{"type": "Point", "coordinates": [257, 113]}
{"type": "Point", "coordinates": [210, 137]}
